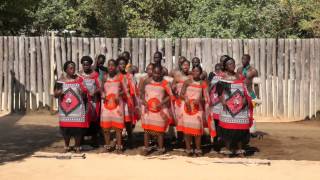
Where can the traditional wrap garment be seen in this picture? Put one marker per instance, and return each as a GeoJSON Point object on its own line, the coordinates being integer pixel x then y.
{"type": "Point", "coordinates": [112, 109]}
{"type": "Point", "coordinates": [91, 82]}
{"type": "Point", "coordinates": [215, 105]}
{"type": "Point", "coordinates": [133, 115]}
{"type": "Point", "coordinates": [73, 112]}
{"type": "Point", "coordinates": [194, 119]}
{"type": "Point", "coordinates": [236, 119]}
{"type": "Point", "coordinates": [178, 102]}
{"type": "Point", "coordinates": [156, 119]}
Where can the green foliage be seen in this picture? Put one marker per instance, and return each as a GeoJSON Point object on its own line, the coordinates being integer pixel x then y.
{"type": "Point", "coordinates": [164, 18]}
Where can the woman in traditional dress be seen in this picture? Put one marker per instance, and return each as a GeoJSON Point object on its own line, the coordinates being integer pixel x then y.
{"type": "Point", "coordinates": [236, 115]}
{"type": "Point", "coordinates": [131, 113]}
{"type": "Point", "coordinates": [91, 82]}
{"type": "Point", "coordinates": [73, 114]}
{"type": "Point", "coordinates": [155, 97]}
{"type": "Point", "coordinates": [194, 92]}
{"type": "Point", "coordinates": [114, 93]}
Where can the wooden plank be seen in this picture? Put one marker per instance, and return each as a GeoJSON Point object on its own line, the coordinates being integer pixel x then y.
{"type": "Point", "coordinates": [257, 55]}
{"type": "Point", "coordinates": [39, 69]}
{"type": "Point", "coordinates": [58, 55]}
{"type": "Point", "coordinates": [251, 52]}
{"type": "Point", "coordinates": [207, 56]}
{"type": "Point", "coordinates": [214, 53]}
{"type": "Point", "coordinates": [291, 78]}
{"type": "Point", "coordinates": [115, 48]}
{"type": "Point", "coordinates": [246, 46]}
{"type": "Point", "coordinates": [80, 51]}
{"type": "Point", "coordinates": [286, 76]}
{"type": "Point", "coordinates": [1, 71]}
{"type": "Point", "coordinates": [5, 71]}
{"type": "Point", "coordinates": [97, 49]}
{"type": "Point", "coordinates": [16, 74]}
{"type": "Point", "coordinates": [142, 54]}
{"type": "Point", "coordinates": [69, 48]}
{"type": "Point", "coordinates": [241, 50]}
{"type": "Point", "coordinates": [10, 74]}
{"type": "Point", "coordinates": [86, 47]}
{"type": "Point", "coordinates": [45, 66]}
{"type": "Point", "coordinates": [191, 48]}
{"type": "Point", "coordinates": [263, 75]}
{"type": "Point", "coordinates": [148, 51]}
{"type": "Point", "coordinates": [161, 46]}
{"type": "Point", "coordinates": [312, 67]}
{"type": "Point", "coordinates": [184, 47]}
{"type": "Point", "coordinates": [236, 51]}
{"type": "Point", "coordinates": [108, 48]}
{"type": "Point", "coordinates": [92, 53]}
{"type": "Point", "coordinates": [198, 49]}
{"type": "Point", "coordinates": [153, 48]}
{"type": "Point", "coordinates": [135, 52]}
{"type": "Point", "coordinates": [103, 46]}
{"type": "Point", "coordinates": [274, 78]}
{"type": "Point", "coordinates": [74, 50]}
{"type": "Point", "coordinates": [229, 48]}
{"type": "Point", "coordinates": [27, 67]}
{"type": "Point", "coordinates": [280, 62]}
{"type": "Point", "coordinates": [225, 47]}
{"type": "Point", "coordinates": [63, 52]}
{"type": "Point", "coordinates": [269, 77]}
{"type": "Point", "coordinates": [297, 79]}
{"type": "Point", "coordinates": [168, 54]}
{"type": "Point", "coordinates": [33, 72]}
{"type": "Point", "coordinates": [307, 78]}
{"type": "Point", "coordinates": [303, 80]}
{"type": "Point", "coordinates": [317, 75]}
{"type": "Point", "coordinates": [177, 52]}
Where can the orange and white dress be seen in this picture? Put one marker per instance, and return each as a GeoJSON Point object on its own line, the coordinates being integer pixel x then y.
{"type": "Point", "coordinates": [179, 103]}
{"type": "Point", "coordinates": [156, 119]}
{"type": "Point", "coordinates": [194, 119]}
{"type": "Point", "coordinates": [112, 108]}
{"type": "Point", "coordinates": [131, 116]}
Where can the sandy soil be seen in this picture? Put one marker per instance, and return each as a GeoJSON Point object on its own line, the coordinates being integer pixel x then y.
{"type": "Point", "coordinates": [292, 148]}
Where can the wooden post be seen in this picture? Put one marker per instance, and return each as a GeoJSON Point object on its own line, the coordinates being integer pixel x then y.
{"type": "Point", "coordinates": [177, 52]}
{"type": "Point", "coordinates": [153, 48]}
{"type": "Point", "coordinates": [312, 68]}
{"type": "Point", "coordinates": [168, 53]}
{"type": "Point", "coordinates": [198, 49]}
{"type": "Point", "coordinates": [92, 53]}
{"type": "Point", "coordinates": [298, 79]}
{"type": "Point", "coordinates": [5, 71]}
{"type": "Point", "coordinates": [274, 78]}
{"type": "Point", "coordinates": [69, 49]}
{"type": "Point", "coordinates": [10, 79]}
{"type": "Point", "coordinates": [40, 69]}
{"type": "Point", "coordinates": [160, 46]}
{"type": "Point", "coordinates": [263, 75]}
{"type": "Point", "coordinates": [58, 56]}
{"type": "Point", "coordinates": [269, 78]}
{"type": "Point", "coordinates": [280, 62]}
{"type": "Point", "coordinates": [97, 49]}
{"type": "Point", "coordinates": [229, 48]}
{"type": "Point", "coordinates": [148, 51]}
{"type": "Point", "coordinates": [109, 48]}
{"type": "Point", "coordinates": [80, 52]}
{"type": "Point", "coordinates": [63, 53]}
{"type": "Point", "coordinates": [52, 66]}
{"type": "Point", "coordinates": [307, 78]}
{"type": "Point", "coordinates": [236, 51]}
{"type": "Point", "coordinates": [46, 69]}
{"type": "Point", "coordinates": [317, 76]}
{"type": "Point", "coordinates": [103, 47]}
{"type": "Point", "coordinates": [16, 74]}
{"type": "Point", "coordinates": [291, 78]}
{"type": "Point", "coordinates": [184, 47]}
{"type": "Point", "coordinates": [1, 71]}
{"type": "Point", "coordinates": [33, 72]}
{"type": "Point", "coordinates": [86, 47]}
{"type": "Point", "coordinates": [208, 64]}
{"type": "Point", "coordinates": [135, 52]}
{"type": "Point", "coordinates": [115, 48]}
{"type": "Point", "coordinates": [142, 54]}
{"type": "Point", "coordinates": [74, 51]}
{"type": "Point", "coordinates": [27, 67]}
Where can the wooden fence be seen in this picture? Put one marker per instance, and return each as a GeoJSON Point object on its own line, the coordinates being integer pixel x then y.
{"type": "Point", "coordinates": [288, 68]}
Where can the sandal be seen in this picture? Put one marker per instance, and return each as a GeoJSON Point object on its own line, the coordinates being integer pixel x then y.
{"type": "Point", "coordinates": [119, 148]}
{"type": "Point", "coordinates": [241, 152]}
{"type": "Point", "coordinates": [161, 151]}
{"type": "Point", "coordinates": [77, 149]}
{"type": "Point", "coordinates": [66, 149]}
{"type": "Point", "coordinates": [198, 152]}
{"type": "Point", "coordinates": [189, 152]}
{"type": "Point", "coordinates": [107, 148]}
{"type": "Point", "coordinates": [146, 151]}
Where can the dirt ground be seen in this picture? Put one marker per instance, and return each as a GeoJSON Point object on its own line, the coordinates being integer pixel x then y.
{"type": "Point", "coordinates": [298, 143]}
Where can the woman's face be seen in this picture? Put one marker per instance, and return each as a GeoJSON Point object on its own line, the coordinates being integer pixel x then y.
{"type": "Point", "coordinates": [122, 65]}
{"type": "Point", "coordinates": [230, 66]}
{"type": "Point", "coordinates": [196, 73]}
{"type": "Point", "coordinates": [111, 67]}
{"type": "Point", "coordinates": [185, 67]}
{"type": "Point", "coordinates": [149, 70]}
{"type": "Point", "coordinates": [71, 69]}
{"type": "Point", "coordinates": [157, 74]}
{"type": "Point", "coordinates": [86, 65]}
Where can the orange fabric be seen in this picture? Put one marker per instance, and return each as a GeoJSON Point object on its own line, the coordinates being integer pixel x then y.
{"type": "Point", "coordinates": [111, 124]}
{"type": "Point", "coordinates": [190, 131]}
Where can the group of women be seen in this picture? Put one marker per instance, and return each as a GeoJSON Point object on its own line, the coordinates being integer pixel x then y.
{"type": "Point", "coordinates": [112, 99]}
